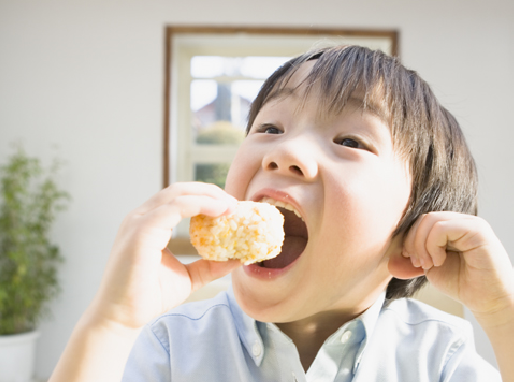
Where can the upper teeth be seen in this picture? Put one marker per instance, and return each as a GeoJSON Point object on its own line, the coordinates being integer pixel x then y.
{"type": "Point", "coordinates": [281, 204]}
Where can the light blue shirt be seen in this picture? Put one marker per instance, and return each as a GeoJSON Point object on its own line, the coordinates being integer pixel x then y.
{"type": "Point", "coordinates": [214, 340]}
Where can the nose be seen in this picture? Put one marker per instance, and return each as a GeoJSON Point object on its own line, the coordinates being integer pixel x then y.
{"type": "Point", "coordinates": [294, 157]}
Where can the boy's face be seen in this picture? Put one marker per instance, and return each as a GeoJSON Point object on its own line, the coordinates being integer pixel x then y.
{"type": "Point", "coordinates": [341, 174]}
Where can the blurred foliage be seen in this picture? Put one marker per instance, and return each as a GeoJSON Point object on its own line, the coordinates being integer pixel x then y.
{"type": "Point", "coordinates": [219, 133]}
{"type": "Point", "coordinates": [29, 202]}
{"type": "Point", "coordinates": [212, 173]}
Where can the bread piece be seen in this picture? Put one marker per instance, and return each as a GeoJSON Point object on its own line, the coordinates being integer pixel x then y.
{"type": "Point", "coordinates": [253, 233]}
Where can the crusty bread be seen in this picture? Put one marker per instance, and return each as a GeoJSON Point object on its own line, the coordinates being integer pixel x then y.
{"type": "Point", "coordinates": [253, 233]}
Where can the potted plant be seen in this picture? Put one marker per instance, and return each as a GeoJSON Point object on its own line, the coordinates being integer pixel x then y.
{"type": "Point", "coordinates": [29, 200]}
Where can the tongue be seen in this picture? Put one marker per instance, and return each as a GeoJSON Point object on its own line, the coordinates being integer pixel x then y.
{"type": "Point", "coordinates": [292, 248]}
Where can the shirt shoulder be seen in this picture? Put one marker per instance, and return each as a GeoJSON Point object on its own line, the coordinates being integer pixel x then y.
{"type": "Point", "coordinates": [409, 311]}
{"type": "Point", "coordinates": [193, 342]}
{"type": "Point", "coordinates": [196, 311]}
{"type": "Point", "coordinates": [199, 318]}
{"type": "Point", "coordinates": [415, 326]}
{"type": "Point", "coordinates": [438, 345]}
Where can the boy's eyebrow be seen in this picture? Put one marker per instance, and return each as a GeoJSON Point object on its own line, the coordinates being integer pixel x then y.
{"type": "Point", "coordinates": [280, 93]}
{"type": "Point", "coordinates": [370, 107]}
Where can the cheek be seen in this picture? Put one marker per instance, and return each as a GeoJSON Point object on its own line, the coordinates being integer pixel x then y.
{"type": "Point", "coordinates": [234, 183]}
{"type": "Point", "coordinates": [367, 210]}
{"type": "Point", "coordinates": [241, 171]}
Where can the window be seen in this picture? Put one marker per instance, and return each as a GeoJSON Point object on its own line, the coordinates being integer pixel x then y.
{"type": "Point", "coordinates": [221, 89]}
{"type": "Point", "coordinates": [211, 77]}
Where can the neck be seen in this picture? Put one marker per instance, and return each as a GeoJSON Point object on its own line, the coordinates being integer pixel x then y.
{"type": "Point", "coordinates": [309, 334]}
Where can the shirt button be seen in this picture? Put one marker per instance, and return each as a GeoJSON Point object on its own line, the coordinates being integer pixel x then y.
{"type": "Point", "coordinates": [346, 336]}
{"type": "Point", "coordinates": [256, 349]}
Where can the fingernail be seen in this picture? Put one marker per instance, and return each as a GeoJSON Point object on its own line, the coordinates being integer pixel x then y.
{"type": "Point", "coordinates": [427, 266]}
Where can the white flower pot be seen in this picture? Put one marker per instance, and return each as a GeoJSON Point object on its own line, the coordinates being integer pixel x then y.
{"type": "Point", "coordinates": [17, 357]}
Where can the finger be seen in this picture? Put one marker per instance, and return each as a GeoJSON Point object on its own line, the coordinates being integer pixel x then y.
{"type": "Point", "coordinates": [401, 267]}
{"type": "Point", "coordinates": [463, 235]}
{"type": "Point", "coordinates": [438, 239]}
{"type": "Point", "coordinates": [420, 241]}
{"type": "Point", "coordinates": [153, 230]}
{"type": "Point", "coordinates": [429, 252]}
{"type": "Point", "coordinates": [183, 188]}
{"type": "Point", "coordinates": [437, 245]}
{"type": "Point", "coordinates": [167, 216]}
{"type": "Point", "coordinates": [409, 248]}
{"type": "Point", "coordinates": [204, 271]}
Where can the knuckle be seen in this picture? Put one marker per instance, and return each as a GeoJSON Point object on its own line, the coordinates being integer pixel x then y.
{"type": "Point", "coordinates": [484, 225]}
{"type": "Point", "coordinates": [440, 225]}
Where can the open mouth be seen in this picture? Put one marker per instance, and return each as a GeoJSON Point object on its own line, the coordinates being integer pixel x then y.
{"type": "Point", "coordinates": [295, 237]}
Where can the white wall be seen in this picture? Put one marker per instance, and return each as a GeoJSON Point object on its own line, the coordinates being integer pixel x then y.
{"type": "Point", "coordinates": [86, 76]}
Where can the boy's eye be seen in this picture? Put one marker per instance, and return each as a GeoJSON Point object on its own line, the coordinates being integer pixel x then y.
{"type": "Point", "coordinates": [350, 142]}
{"type": "Point", "coordinates": [268, 129]}
{"type": "Point", "coordinates": [271, 130]}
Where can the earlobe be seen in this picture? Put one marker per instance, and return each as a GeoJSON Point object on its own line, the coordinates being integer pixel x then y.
{"type": "Point", "coordinates": [400, 267]}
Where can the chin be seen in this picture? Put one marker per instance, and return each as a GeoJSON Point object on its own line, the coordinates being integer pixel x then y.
{"type": "Point", "coordinates": [262, 305]}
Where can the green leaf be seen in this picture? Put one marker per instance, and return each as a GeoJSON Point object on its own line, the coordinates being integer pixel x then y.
{"type": "Point", "coordinates": [30, 200]}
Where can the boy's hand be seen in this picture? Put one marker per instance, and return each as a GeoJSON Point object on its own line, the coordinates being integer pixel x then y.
{"type": "Point", "coordinates": [462, 257]}
{"type": "Point", "coordinates": [143, 279]}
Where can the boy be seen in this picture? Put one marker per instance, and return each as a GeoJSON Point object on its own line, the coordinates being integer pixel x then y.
{"type": "Point", "coordinates": [386, 189]}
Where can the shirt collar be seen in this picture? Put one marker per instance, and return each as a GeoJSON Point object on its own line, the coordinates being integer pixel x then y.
{"type": "Point", "coordinates": [358, 330]}
{"type": "Point", "coordinates": [249, 334]}
{"type": "Point", "coordinates": [370, 316]}
{"type": "Point", "coordinates": [247, 330]}
{"type": "Point", "coordinates": [369, 320]}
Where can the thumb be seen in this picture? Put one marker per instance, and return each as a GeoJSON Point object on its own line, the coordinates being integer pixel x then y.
{"type": "Point", "coordinates": [203, 272]}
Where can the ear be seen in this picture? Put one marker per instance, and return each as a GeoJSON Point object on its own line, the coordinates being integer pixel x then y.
{"type": "Point", "coordinates": [400, 267]}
